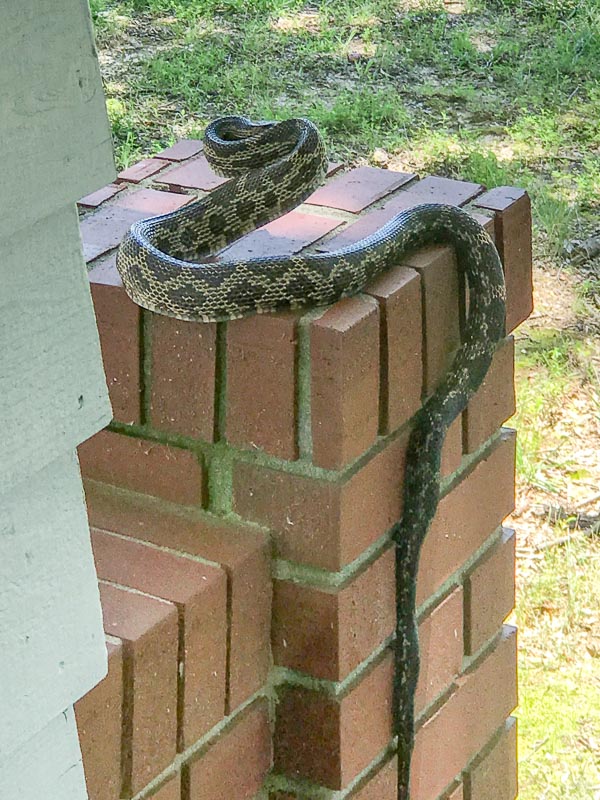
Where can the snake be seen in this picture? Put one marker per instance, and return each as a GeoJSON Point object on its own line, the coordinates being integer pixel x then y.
{"type": "Point", "coordinates": [168, 265]}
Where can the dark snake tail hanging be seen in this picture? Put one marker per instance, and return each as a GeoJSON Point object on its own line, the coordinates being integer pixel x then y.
{"type": "Point", "coordinates": [275, 167]}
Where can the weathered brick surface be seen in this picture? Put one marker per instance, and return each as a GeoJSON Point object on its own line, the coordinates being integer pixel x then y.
{"type": "Point", "coordinates": [494, 402]}
{"type": "Point", "coordinates": [150, 202]}
{"type": "Point", "coordinates": [94, 199]}
{"type": "Point", "coordinates": [148, 629]}
{"type": "Point", "coordinates": [142, 169]}
{"type": "Point", "coordinates": [327, 633]}
{"type": "Point", "coordinates": [344, 380]}
{"type": "Point", "coordinates": [513, 240]}
{"type": "Point", "coordinates": [143, 466]}
{"type": "Point", "coordinates": [360, 508]}
{"type": "Point", "coordinates": [182, 381]}
{"type": "Point", "coordinates": [455, 734]}
{"type": "Point", "coordinates": [182, 150]}
{"type": "Point", "coordinates": [441, 645]}
{"type": "Point", "coordinates": [235, 765]}
{"type": "Point", "coordinates": [242, 551]}
{"type": "Point", "coordinates": [261, 383]}
{"type": "Point", "coordinates": [398, 293]}
{"type": "Point", "coordinates": [434, 189]}
{"type": "Point", "coordinates": [103, 229]}
{"type": "Point", "coordinates": [452, 449]}
{"type": "Point", "coordinates": [357, 189]}
{"type": "Point", "coordinates": [463, 522]}
{"type": "Point", "coordinates": [118, 320]}
{"type": "Point", "coordinates": [194, 174]}
{"type": "Point", "coordinates": [99, 720]}
{"type": "Point", "coordinates": [330, 740]}
{"type": "Point", "coordinates": [200, 593]}
{"type": "Point", "coordinates": [495, 776]}
{"type": "Point", "coordinates": [441, 289]}
{"type": "Point", "coordinates": [285, 235]}
{"type": "Point", "coordinates": [490, 592]}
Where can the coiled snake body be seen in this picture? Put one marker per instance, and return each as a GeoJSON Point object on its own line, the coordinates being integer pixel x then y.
{"type": "Point", "coordinates": [276, 166]}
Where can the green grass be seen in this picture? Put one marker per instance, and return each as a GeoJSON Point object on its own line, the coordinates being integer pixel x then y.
{"type": "Point", "coordinates": [559, 717]}
{"type": "Point", "coordinates": [506, 92]}
{"type": "Point", "coordinates": [502, 93]}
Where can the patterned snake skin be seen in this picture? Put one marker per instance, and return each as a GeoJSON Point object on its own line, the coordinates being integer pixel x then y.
{"type": "Point", "coordinates": [276, 166]}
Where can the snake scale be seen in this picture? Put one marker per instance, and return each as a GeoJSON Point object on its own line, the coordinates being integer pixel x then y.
{"type": "Point", "coordinates": [275, 166]}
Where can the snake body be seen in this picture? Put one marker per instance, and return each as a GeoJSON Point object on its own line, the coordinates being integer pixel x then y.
{"type": "Point", "coordinates": [275, 167]}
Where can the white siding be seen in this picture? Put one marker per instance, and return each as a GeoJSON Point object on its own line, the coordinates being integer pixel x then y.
{"type": "Point", "coordinates": [54, 132]}
{"type": "Point", "coordinates": [48, 766]}
{"type": "Point", "coordinates": [51, 642]}
{"type": "Point", "coordinates": [52, 387]}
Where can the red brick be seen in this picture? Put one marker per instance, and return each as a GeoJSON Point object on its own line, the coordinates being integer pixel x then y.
{"type": "Point", "coordinates": [96, 198]}
{"type": "Point", "coordinates": [495, 776]}
{"type": "Point", "coordinates": [369, 223]}
{"type": "Point", "coordinates": [283, 236]}
{"type": "Point", "coordinates": [452, 448]}
{"type": "Point", "coordinates": [243, 551]}
{"type": "Point", "coordinates": [261, 383]}
{"type": "Point", "coordinates": [494, 402]}
{"type": "Point", "coordinates": [435, 190]}
{"type": "Point", "coordinates": [99, 718]}
{"type": "Point", "coordinates": [103, 230]}
{"type": "Point", "coordinates": [171, 790]}
{"type": "Point", "coordinates": [462, 726]}
{"type": "Point", "coordinates": [440, 285]}
{"type": "Point", "coordinates": [364, 226]}
{"type": "Point", "coordinates": [151, 202]}
{"type": "Point", "coordinates": [143, 466]}
{"type": "Point", "coordinates": [398, 293]}
{"type": "Point", "coordinates": [486, 221]}
{"type": "Point", "coordinates": [182, 384]}
{"type": "Point", "coordinates": [468, 515]}
{"type": "Point", "coordinates": [441, 645]}
{"type": "Point", "coordinates": [236, 764]}
{"type": "Point", "coordinates": [490, 592]}
{"type": "Point", "coordinates": [324, 523]}
{"type": "Point", "coordinates": [200, 593]}
{"type": "Point", "coordinates": [383, 786]}
{"type": "Point", "coordinates": [357, 189]}
{"type": "Point", "coordinates": [330, 740]}
{"type": "Point", "coordinates": [148, 630]}
{"type": "Point", "coordinates": [142, 169]}
{"type": "Point", "coordinates": [119, 324]}
{"type": "Point", "coordinates": [344, 381]}
{"type": "Point", "coordinates": [327, 633]}
{"type": "Point", "coordinates": [194, 174]}
{"type": "Point", "coordinates": [181, 150]}
{"type": "Point", "coordinates": [513, 240]}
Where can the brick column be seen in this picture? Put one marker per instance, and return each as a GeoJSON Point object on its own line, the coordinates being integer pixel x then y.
{"type": "Point", "coordinates": [242, 501]}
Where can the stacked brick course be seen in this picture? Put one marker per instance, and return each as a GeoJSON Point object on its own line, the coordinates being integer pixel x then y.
{"type": "Point", "coordinates": [241, 503]}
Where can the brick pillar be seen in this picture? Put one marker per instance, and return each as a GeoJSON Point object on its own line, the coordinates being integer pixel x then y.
{"type": "Point", "coordinates": [241, 505]}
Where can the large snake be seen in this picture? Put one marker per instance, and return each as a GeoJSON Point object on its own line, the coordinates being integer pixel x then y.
{"type": "Point", "coordinates": [275, 167]}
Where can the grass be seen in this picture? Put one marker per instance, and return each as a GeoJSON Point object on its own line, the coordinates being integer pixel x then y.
{"type": "Point", "coordinates": [559, 718]}
{"type": "Point", "coordinates": [497, 92]}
